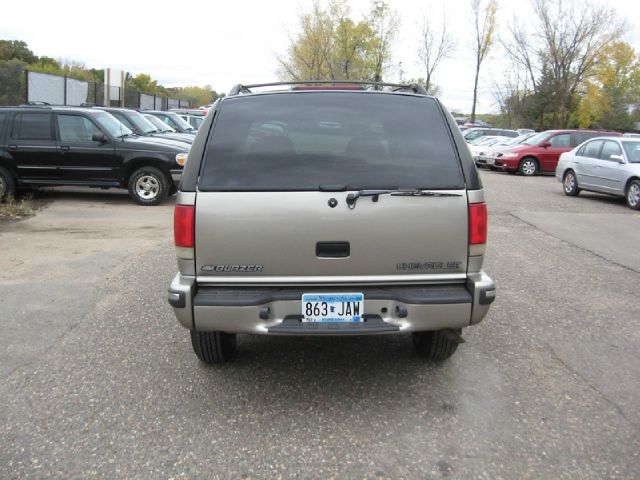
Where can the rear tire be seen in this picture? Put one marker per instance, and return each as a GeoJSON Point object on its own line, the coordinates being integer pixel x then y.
{"type": "Point", "coordinates": [148, 186]}
{"type": "Point", "coordinates": [434, 345]}
{"type": "Point", "coordinates": [528, 166]}
{"type": "Point", "coordinates": [570, 184]}
{"type": "Point", "coordinates": [7, 184]}
{"type": "Point", "coordinates": [633, 195]}
{"type": "Point", "coordinates": [213, 347]}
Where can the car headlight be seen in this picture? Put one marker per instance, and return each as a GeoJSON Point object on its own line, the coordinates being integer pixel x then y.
{"type": "Point", "coordinates": [507, 155]}
{"type": "Point", "coordinates": [181, 159]}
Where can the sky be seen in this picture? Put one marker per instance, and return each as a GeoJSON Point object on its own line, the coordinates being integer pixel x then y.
{"type": "Point", "coordinates": [222, 42]}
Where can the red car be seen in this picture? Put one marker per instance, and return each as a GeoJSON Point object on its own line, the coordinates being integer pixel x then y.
{"type": "Point", "coordinates": [541, 152]}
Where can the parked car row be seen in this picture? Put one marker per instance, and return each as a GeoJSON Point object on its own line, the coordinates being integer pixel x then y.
{"type": "Point", "coordinates": [90, 146]}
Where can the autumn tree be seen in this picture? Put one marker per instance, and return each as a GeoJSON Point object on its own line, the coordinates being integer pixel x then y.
{"type": "Point", "coordinates": [331, 45]}
{"type": "Point", "coordinates": [483, 15]}
{"type": "Point", "coordinates": [561, 51]}
{"type": "Point", "coordinates": [613, 88]}
{"type": "Point", "coordinates": [385, 23]}
{"type": "Point", "coordinates": [436, 44]}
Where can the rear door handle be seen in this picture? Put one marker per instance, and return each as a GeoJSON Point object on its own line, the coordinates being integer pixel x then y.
{"type": "Point", "coordinates": [13, 147]}
{"type": "Point", "coordinates": [65, 148]}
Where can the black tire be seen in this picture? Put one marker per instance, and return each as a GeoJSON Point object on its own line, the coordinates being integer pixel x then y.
{"type": "Point", "coordinates": [213, 347]}
{"type": "Point", "coordinates": [148, 186]}
{"type": "Point", "coordinates": [633, 195]}
{"type": "Point", "coordinates": [570, 184]}
{"type": "Point", "coordinates": [528, 166]}
{"type": "Point", "coordinates": [7, 184]}
{"type": "Point", "coordinates": [434, 345]}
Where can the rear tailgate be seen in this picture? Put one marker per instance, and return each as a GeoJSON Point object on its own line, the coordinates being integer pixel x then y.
{"type": "Point", "coordinates": [293, 237]}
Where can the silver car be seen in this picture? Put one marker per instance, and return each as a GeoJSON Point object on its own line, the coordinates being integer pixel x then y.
{"type": "Point", "coordinates": [329, 210]}
{"type": "Point", "coordinates": [603, 165]}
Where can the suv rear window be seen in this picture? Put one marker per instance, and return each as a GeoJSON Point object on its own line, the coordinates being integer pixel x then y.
{"type": "Point", "coordinates": [299, 141]}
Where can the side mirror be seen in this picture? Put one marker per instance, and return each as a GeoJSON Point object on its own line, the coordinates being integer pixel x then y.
{"type": "Point", "coordinates": [99, 137]}
{"type": "Point", "coordinates": [545, 144]}
{"type": "Point", "coordinates": [616, 158]}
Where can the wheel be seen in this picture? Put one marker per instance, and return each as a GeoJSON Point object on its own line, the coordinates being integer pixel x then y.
{"type": "Point", "coordinates": [528, 166]}
{"type": "Point", "coordinates": [213, 347]}
{"type": "Point", "coordinates": [435, 345]}
{"type": "Point", "coordinates": [7, 184]}
{"type": "Point", "coordinates": [570, 184]}
{"type": "Point", "coordinates": [148, 186]}
{"type": "Point", "coordinates": [633, 195]}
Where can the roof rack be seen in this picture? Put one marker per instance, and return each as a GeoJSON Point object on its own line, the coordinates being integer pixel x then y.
{"type": "Point", "coordinates": [240, 89]}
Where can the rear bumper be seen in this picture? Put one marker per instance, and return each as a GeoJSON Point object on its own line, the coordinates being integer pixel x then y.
{"type": "Point", "coordinates": [277, 310]}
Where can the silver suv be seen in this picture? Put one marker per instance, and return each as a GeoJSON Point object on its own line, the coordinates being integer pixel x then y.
{"type": "Point", "coordinates": [329, 209]}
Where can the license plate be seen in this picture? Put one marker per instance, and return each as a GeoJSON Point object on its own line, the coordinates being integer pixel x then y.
{"type": "Point", "coordinates": [332, 307]}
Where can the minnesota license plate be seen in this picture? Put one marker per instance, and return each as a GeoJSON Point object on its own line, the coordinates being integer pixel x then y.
{"type": "Point", "coordinates": [332, 307]}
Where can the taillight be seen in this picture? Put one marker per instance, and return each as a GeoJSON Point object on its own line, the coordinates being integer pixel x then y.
{"type": "Point", "coordinates": [477, 223]}
{"type": "Point", "coordinates": [183, 225]}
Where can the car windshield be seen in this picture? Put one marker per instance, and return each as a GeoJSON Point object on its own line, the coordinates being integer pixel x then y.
{"type": "Point", "coordinates": [632, 149]}
{"type": "Point", "coordinates": [302, 141]}
{"type": "Point", "coordinates": [141, 123]}
{"type": "Point", "coordinates": [111, 124]}
{"type": "Point", "coordinates": [518, 140]}
{"type": "Point", "coordinates": [159, 124]}
{"type": "Point", "coordinates": [536, 139]}
{"type": "Point", "coordinates": [178, 121]}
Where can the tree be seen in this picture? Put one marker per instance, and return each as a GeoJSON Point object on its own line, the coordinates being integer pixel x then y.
{"type": "Point", "coordinates": [385, 24]}
{"type": "Point", "coordinates": [16, 50]}
{"type": "Point", "coordinates": [484, 24]}
{"type": "Point", "coordinates": [563, 51]}
{"type": "Point", "coordinates": [612, 90]}
{"type": "Point", "coordinates": [144, 83]}
{"type": "Point", "coordinates": [331, 45]}
{"type": "Point", "coordinates": [435, 46]}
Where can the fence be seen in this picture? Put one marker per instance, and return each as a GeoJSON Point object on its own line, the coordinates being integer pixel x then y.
{"type": "Point", "coordinates": [18, 85]}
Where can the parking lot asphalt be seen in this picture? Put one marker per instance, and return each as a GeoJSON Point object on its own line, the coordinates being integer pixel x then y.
{"type": "Point", "coordinates": [97, 380]}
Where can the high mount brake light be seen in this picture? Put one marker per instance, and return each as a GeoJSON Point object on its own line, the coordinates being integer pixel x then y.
{"type": "Point", "coordinates": [184, 226]}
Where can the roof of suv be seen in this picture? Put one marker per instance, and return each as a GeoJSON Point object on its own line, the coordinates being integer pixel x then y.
{"type": "Point", "coordinates": [54, 108]}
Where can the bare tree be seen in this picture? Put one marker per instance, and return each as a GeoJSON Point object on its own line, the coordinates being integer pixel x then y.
{"type": "Point", "coordinates": [484, 23]}
{"type": "Point", "coordinates": [563, 52]}
{"type": "Point", "coordinates": [385, 23]}
{"type": "Point", "coordinates": [435, 46]}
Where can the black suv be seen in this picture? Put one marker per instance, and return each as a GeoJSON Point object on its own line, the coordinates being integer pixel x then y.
{"type": "Point", "coordinates": [52, 146]}
{"type": "Point", "coordinates": [139, 125]}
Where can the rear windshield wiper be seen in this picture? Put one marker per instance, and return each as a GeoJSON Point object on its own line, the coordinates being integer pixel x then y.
{"type": "Point", "coordinates": [352, 198]}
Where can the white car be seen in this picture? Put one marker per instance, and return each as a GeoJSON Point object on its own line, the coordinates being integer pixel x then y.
{"type": "Point", "coordinates": [479, 146]}
{"type": "Point", "coordinates": [488, 156]}
{"type": "Point", "coordinates": [608, 165]}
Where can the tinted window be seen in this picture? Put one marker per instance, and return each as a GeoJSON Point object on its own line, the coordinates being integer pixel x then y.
{"type": "Point", "coordinates": [32, 126]}
{"type": "Point", "coordinates": [121, 118]}
{"type": "Point", "coordinates": [76, 129]}
{"type": "Point", "coordinates": [561, 141]}
{"type": "Point", "coordinates": [3, 117]}
{"type": "Point", "coordinates": [303, 140]}
{"type": "Point", "coordinates": [610, 148]}
{"type": "Point", "coordinates": [591, 149]}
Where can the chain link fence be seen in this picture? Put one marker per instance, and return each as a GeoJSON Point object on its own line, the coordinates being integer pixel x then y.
{"type": "Point", "coordinates": [18, 85]}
